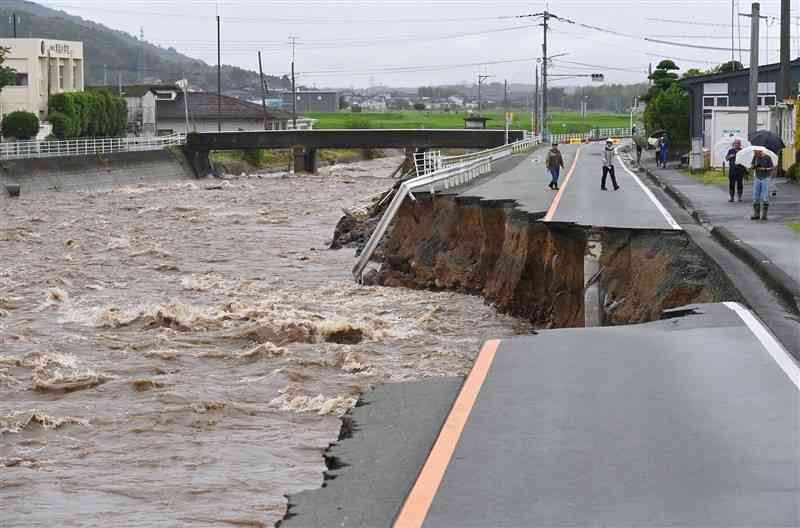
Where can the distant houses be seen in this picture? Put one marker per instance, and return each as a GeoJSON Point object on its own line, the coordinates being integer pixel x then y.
{"type": "Point", "coordinates": [163, 109]}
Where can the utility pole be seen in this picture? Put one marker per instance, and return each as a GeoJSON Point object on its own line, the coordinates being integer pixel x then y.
{"type": "Point", "coordinates": [545, 21]}
{"type": "Point", "coordinates": [219, 80]}
{"type": "Point", "coordinates": [733, 16]}
{"type": "Point", "coordinates": [505, 95]}
{"type": "Point", "coordinates": [293, 41]}
{"type": "Point", "coordinates": [785, 84]}
{"type": "Point", "coordinates": [105, 74]}
{"type": "Point", "coordinates": [535, 114]}
{"type": "Point", "coordinates": [263, 92]}
{"type": "Point", "coordinates": [481, 78]}
{"type": "Point", "coordinates": [752, 115]}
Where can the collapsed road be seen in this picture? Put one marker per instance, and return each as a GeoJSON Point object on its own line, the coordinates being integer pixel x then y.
{"type": "Point", "coordinates": [681, 410]}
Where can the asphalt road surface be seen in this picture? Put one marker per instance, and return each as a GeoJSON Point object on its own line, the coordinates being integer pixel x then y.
{"type": "Point", "coordinates": [688, 421]}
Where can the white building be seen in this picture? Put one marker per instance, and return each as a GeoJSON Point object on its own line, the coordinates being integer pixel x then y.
{"type": "Point", "coordinates": [44, 67]}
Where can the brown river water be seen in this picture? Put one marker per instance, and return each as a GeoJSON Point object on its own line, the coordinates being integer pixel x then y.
{"type": "Point", "coordinates": [166, 354]}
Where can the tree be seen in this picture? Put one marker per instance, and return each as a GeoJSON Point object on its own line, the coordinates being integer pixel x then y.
{"type": "Point", "coordinates": [20, 125]}
{"type": "Point", "coordinates": [693, 72]}
{"type": "Point", "coordinates": [730, 66]}
{"type": "Point", "coordinates": [419, 107]}
{"type": "Point", "coordinates": [663, 78]}
{"type": "Point", "coordinates": [8, 76]}
{"type": "Point", "coordinates": [669, 111]}
{"type": "Point", "coordinates": [343, 104]}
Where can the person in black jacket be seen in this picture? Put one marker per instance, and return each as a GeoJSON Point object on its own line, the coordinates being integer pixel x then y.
{"type": "Point", "coordinates": [735, 171]}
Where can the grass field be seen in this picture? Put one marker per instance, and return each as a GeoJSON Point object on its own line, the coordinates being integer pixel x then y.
{"type": "Point", "coordinates": [709, 177]}
{"type": "Point", "coordinates": [795, 226]}
{"type": "Point", "coordinates": [563, 122]}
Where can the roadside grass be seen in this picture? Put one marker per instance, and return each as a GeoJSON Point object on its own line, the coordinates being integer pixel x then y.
{"type": "Point", "coordinates": [709, 177]}
{"type": "Point", "coordinates": [562, 122]}
{"type": "Point", "coordinates": [795, 226]}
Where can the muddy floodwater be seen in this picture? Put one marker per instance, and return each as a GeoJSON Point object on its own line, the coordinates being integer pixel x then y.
{"type": "Point", "coordinates": [179, 354]}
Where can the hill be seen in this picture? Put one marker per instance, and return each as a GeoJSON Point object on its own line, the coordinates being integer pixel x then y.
{"type": "Point", "coordinates": [112, 55]}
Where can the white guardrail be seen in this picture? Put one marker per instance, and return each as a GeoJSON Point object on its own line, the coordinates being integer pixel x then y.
{"type": "Point", "coordinates": [85, 147]}
{"type": "Point", "coordinates": [455, 171]}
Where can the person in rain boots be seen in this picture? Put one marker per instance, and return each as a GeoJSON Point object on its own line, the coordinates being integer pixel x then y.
{"type": "Point", "coordinates": [608, 165]}
{"type": "Point", "coordinates": [735, 171]}
{"type": "Point", "coordinates": [554, 164]}
{"type": "Point", "coordinates": [762, 167]}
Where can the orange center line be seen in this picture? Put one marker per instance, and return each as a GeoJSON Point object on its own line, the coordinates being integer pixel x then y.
{"type": "Point", "coordinates": [419, 500]}
{"type": "Point", "coordinates": [554, 205]}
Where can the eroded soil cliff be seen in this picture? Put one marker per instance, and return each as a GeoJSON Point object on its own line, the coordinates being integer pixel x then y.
{"type": "Point", "coordinates": [535, 270]}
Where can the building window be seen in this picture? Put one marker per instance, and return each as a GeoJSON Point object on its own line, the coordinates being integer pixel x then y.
{"type": "Point", "coordinates": [61, 76]}
{"type": "Point", "coordinates": [769, 100]}
{"type": "Point", "coordinates": [722, 101]}
{"type": "Point", "coordinates": [708, 101]}
{"type": "Point", "coordinates": [21, 79]}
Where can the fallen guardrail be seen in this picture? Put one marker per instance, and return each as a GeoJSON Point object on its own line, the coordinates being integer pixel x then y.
{"type": "Point", "coordinates": [457, 170]}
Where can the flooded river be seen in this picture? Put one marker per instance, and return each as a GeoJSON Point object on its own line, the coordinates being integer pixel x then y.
{"type": "Point", "coordinates": [179, 354]}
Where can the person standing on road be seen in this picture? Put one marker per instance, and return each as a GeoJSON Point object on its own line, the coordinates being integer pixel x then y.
{"type": "Point", "coordinates": [554, 164]}
{"type": "Point", "coordinates": [735, 171]}
{"type": "Point", "coordinates": [762, 166]}
{"type": "Point", "coordinates": [638, 154]}
{"type": "Point", "coordinates": [664, 151]}
{"type": "Point", "coordinates": [608, 165]}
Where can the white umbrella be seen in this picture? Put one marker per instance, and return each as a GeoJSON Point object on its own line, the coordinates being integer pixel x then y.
{"type": "Point", "coordinates": [724, 145]}
{"type": "Point", "coordinates": [745, 156]}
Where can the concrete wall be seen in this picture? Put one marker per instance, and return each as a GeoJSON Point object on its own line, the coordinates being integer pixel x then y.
{"type": "Point", "coordinates": [93, 173]}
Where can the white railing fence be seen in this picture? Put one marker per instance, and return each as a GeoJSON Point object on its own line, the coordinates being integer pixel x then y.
{"type": "Point", "coordinates": [85, 147]}
{"type": "Point", "coordinates": [595, 134]}
{"type": "Point", "coordinates": [427, 162]}
{"type": "Point", "coordinates": [455, 171]}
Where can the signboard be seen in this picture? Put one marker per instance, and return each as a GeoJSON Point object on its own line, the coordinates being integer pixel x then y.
{"type": "Point", "coordinates": [56, 49]}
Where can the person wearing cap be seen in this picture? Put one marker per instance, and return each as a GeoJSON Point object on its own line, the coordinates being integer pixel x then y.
{"type": "Point", "coordinates": [554, 163]}
{"type": "Point", "coordinates": [735, 171]}
{"type": "Point", "coordinates": [762, 166]}
{"type": "Point", "coordinates": [608, 165]}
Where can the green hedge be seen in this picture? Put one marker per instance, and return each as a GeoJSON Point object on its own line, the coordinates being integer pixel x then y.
{"type": "Point", "coordinates": [20, 125]}
{"type": "Point", "coordinates": [88, 114]}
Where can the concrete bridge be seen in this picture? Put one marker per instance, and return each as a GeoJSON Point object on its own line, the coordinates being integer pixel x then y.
{"type": "Point", "coordinates": [305, 143]}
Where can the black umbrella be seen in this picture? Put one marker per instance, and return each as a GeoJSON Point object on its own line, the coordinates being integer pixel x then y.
{"type": "Point", "coordinates": [767, 139]}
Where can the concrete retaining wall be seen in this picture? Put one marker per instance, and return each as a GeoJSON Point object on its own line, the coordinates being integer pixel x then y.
{"type": "Point", "coordinates": [91, 173]}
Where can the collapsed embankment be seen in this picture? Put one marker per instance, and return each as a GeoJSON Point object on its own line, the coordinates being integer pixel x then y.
{"type": "Point", "coordinates": [538, 271]}
{"type": "Point", "coordinates": [92, 173]}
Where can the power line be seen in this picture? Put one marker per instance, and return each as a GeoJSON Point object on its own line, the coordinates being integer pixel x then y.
{"type": "Point", "coordinates": [694, 46]}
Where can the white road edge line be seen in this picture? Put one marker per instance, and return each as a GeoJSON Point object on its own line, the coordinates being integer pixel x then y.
{"type": "Point", "coordinates": [668, 217]}
{"type": "Point", "coordinates": [784, 360]}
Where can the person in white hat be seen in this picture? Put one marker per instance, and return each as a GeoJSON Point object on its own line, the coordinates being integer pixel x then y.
{"type": "Point", "coordinates": [608, 165]}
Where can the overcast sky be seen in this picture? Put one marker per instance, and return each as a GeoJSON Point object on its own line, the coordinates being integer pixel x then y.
{"type": "Point", "coordinates": [411, 43]}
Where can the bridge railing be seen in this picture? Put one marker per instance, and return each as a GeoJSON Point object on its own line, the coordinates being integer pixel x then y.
{"type": "Point", "coordinates": [496, 153]}
{"type": "Point", "coordinates": [596, 134]}
{"type": "Point", "coordinates": [457, 173]}
{"type": "Point", "coordinates": [85, 147]}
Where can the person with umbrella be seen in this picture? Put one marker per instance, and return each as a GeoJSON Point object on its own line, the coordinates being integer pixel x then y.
{"type": "Point", "coordinates": [762, 166]}
{"type": "Point", "coordinates": [735, 171]}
